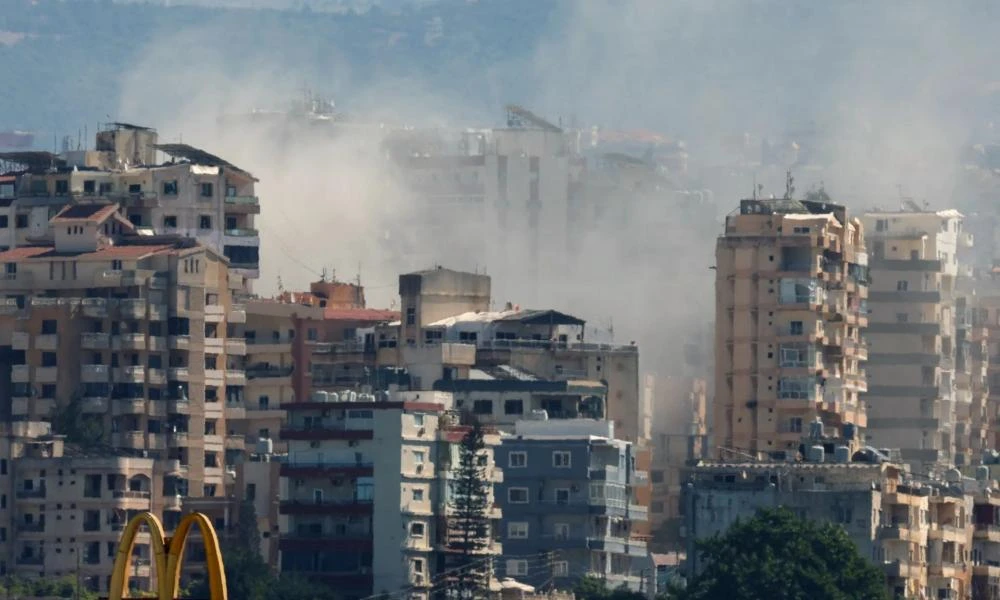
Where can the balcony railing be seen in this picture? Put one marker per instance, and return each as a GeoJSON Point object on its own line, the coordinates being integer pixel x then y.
{"type": "Point", "coordinates": [241, 232]}
{"type": "Point", "coordinates": [242, 200]}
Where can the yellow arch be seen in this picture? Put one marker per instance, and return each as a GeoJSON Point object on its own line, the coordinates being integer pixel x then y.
{"type": "Point", "coordinates": [168, 556]}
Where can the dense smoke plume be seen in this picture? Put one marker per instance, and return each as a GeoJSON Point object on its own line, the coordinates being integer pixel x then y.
{"type": "Point", "coordinates": [878, 97]}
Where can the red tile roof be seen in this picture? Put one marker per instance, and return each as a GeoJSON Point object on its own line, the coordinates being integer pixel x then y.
{"type": "Point", "coordinates": [86, 213]}
{"type": "Point", "coordinates": [24, 253]}
{"type": "Point", "coordinates": [366, 315]}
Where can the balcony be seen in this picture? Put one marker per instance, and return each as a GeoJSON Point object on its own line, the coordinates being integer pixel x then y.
{"type": "Point", "coordinates": [156, 376]}
{"type": "Point", "coordinates": [95, 308]}
{"type": "Point", "coordinates": [178, 407]}
{"type": "Point", "coordinates": [132, 308]}
{"type": "Point", "coordinates": [236, 377]}
{"type": "Point", "coordinates": [236, 346]}
{"type": "Point", "coordinates": [135, 440]}
{"type": "Point", "coordinates": [129, 406]}
{"type": "Point", "coordinates": [234, 441]}
{"type": "Point", "coordinates": [37, 493]}
{"type": "Point", "coordinates": [173, 503]}
{"type": "Point", "coordinates": [214, 376]}
{"type": "Point", "coordinates": [129, 341]}
{"type": "Point", "coordinates": [157, 312]}
{"type": "Point", "coordinates": [33, 560]}
{"type": "Point", "coordinates": [20, 374]}
{"type": "Point", "coordinates": [49, 342]}
{"type": "Point", "coordinates": [324, 507]}
{"type": "Point", "coordinates": [94, 405]}
{"type": "Point", "coordinates": [327, 469]}
{"type": "Point", "coordinates": [157, 343]}
{"type": "Point", "coordinates": [178, 374]}
{"type": "Point", "coordinates": [35, 527]}
{"type": "Point", "coordinates": [268, 372]}
{"type": "Point", "coordinates": [214, 345]}
{"type": "Point", "coordinates": [331, 431]}
{"type": "Point", "coordinates": [46, 374]}
{"type": "Point", "coordinates": [243, 232]}
{"type": "Point", "coordinates": [177, 439]}
{"type": "Point", "coordinates": [236, 410]}
{"type": "Point", "coordinates": [131, 374]}
{"type": "Point", "coordinates": [20, 340]}
{"type": "Point", "coordinates": [95, 341]}
{"type": "Point", "coordinates": [94, 373]}
{"type": "Point", "coordinates": [179, 342]}
{"type": "Point", "coordinates": [237, 313]}
{"type": "Point", "coordinates": [8, 306]}
{"type": "Point", "coordinates": [247, 205]}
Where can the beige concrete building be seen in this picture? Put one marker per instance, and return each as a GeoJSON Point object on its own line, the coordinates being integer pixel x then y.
{"type": "Point", "coordinates": [365, 497]}
{"type": "Point", "coordinates": [680, 436]}
{"type": "Point", "coordinates": [63, 508]}
{"type": "Point", "coordinates": [192, 193]}
{"type": "Point", "coordinates": [791, 287]}
{"type": "Point", "coordinates": [121, 339]}
{"type": "Point", "coordinates": [913, 403]}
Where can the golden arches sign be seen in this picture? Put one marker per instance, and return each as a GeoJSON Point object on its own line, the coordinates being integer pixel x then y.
{"type": "Point", "coordinates": [168, 556]}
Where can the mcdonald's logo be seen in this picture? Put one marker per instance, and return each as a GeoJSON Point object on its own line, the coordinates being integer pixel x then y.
{"type": "Point", "coordinates": [168, 556]}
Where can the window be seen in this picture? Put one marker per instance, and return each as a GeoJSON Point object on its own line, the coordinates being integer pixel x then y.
{"type": "Point", "coordinates": [656, 476]}
{"type": "Point", "coordinates": [49, 326]}
{"type": "Point", "coordinates": [418, 457]}
{"type": "Point", "coordinates": [62, 187]}
{"type": "Point", "coordinates": [170, 188]}
{"type": "Point", "coordinates": [517, 568]}
{"type": "Point", "coordinates": [902, 317]}
{"type": "Point", "coordinates": [21, 221]}
{"type": "Point", "coordinates": [517, 495]}
{"type": "Point", "coordinates": [411, 316]}
{"type": "Point", "coordinates": [482, 407]}
{"type": "Point", "coordinates": [517, 530]}
{"type": "Point", "coordinates": [417, 529]}
{"type": "Point", "coordinates": [170, 222]}
{"type": "Point", "coordinates": [11, 268]}
{"type": "Point", "coordinates": [418, 420]}
{"type": "Point", "coordinates": [116, 265]}
{"type": "Point", "coordinates": [902, 285]}
{"type": "Point", "coordinates": [418, 565]}
{"type": "Point", "coordinates": [48, 359]}
{"type": "Point", "coordinates": [517, 460]}
{"type": "Point", "coordinates": [562, 496]}
{"type": "Point", "coordinates": [795, 328]}
{"type": "Point", "coordinates": [418, 494]}
{"type": "Point", "coordinates": [561, 531]}
{"type": "Point", "coordinates": [560, 459]}
{"type": "Point", "coordinates": [206, 190]}
{"type": "Point", "coordinates": [205, 222]}
{"type": "Point", "coordinates": [3, 221]}
{"type": "Point", "coordinates": [560, 568]}
{"type": "Point", "coordinates": [800, 230]}
{"type": "Point", "coordinates": [513, 407]}
{"type": "Point", "coordinates": [795, 424]}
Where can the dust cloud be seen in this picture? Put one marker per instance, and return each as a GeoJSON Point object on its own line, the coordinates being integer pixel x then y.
{"type": "Point", "coordinates": [867, 100]}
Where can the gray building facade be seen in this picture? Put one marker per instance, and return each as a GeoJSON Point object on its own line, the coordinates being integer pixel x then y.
{"type": "Point", "coordinates": [569, 505]}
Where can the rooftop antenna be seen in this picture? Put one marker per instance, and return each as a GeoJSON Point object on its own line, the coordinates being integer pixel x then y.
{"type": "Point", "coordinates": [322, 275]}
{"type": "Point", "coordinates": [754, 186]}
{"type": "Point", "coordinates": [281, 287]}
{"type": "Point", "coordinates": [789, 187]}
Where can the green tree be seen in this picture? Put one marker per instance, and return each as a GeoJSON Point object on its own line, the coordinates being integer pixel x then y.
{"type": "Point", "coordinates": [78, 427]}
{"type": "Point", "coordinates": [590, 587]}
{"type": "Point", "coordinates": [778, 556]}
{"type": "Point", "coordinates": [470, 528]}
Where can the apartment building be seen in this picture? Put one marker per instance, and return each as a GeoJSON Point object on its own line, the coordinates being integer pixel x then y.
{"type": "Point", "coordinates": [912, 399]}
{"type": "Point", "coordinates": [127, 333]}
{"type": "Point", "coordinates": [973, 410]}
{"type": "Point", "coordinates": [193, 193]}
{"type": "Point", "coordinates": [986, 547]}
{"type": "Point", "coordinates": [791, 289]}
{"type": "Point", "coordinates": [366, 501]}
{"type": "Point", "coordinates": [919, 532]}
{"type": "Point", "coordinates": [680, 436]}
{"type": "Point", "coordinates": [569, 504]}
{"type": "Point", "coordinates": [63, 507]}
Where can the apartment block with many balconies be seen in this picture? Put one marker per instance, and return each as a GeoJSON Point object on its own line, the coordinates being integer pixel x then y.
{"type": "Point", "coordinates": [127, 334]}
{"type": "Point", "coordinates": [912, 399]}
{"type": "Point", "coordinates": [365, 491]}
{"type": "Point", "coordinates": [791, 289]}
{"type": "Point", "coordinates": [570, 504]}
{"type": "Point", "coordinates": [192, 193]}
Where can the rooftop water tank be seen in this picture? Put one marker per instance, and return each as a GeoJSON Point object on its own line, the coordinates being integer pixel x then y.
{"type": "Point", "coordinates": [265, 446]}
{"type": "Point", "coordinates": [849, 431]}
{"type": "Point", "coordinates": [320, 397]}
{"type": "Point", "coordinates": [842, 454]}
{"type": "Point", "coordinates": [982, 473]}
{"type": "Point", "coordinates": [816, 429]}
{"type": "Point", "coordinates": [539, 415]}
{"type": "Point", "coordinates": [953, 476]}
{"type": "Point", "coordinates": [815, 454]}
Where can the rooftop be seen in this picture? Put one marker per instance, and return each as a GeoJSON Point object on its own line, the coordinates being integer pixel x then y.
{"type": "Point", "coordinates": [364, 315]}
{"type": "Point", "coordinates": [526, 317]}
{"type": "Point", "coordinates": [44, 253]}
{"type": "Point", "coordinates": [195, 155]}
{"type": "Point", "coordinates": [86, 213]}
